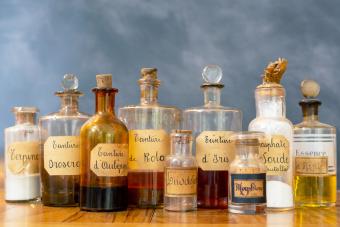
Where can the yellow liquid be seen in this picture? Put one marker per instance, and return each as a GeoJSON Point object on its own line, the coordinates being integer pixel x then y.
{"type": "Point", "coordinates": [315, 191]}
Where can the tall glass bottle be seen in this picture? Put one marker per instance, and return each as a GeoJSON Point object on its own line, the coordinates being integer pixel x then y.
{"type": "Point", "coordinates": [212, 125]}
{"type": "Point", "coordinates": [315, 154]}
{"type": "Point", "coordinates": [104, 154]}
{"type": "Point", "coordinates": [149, 127]}
{"type": "Point", "coordinates": [276, 149]}
{"type": "Point", "coordinates": [60, 157]}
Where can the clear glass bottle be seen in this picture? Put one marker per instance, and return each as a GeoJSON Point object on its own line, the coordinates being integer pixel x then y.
{"type": "Point", "coordinates": [276, 149]}
{"type": "Point", "coordinates": [22, 157]}
{"type": "Point", "coordinates": [61, 146]}
{"type": "Point", "coordinates": [104, 154]}
{"type": "Point", "coordinates": [149, 127]}
{"type": "Point", "coordinates": [247, 175]}
{"type": "Point", "coordinates": [180, 174]}
{"type": "Point", "coordinates": [315, 154]}
{"type": "Point", "coordinates": [212, 125]}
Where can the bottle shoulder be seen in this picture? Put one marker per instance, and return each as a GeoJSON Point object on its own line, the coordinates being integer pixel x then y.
{"type": "Point", "coordinates": [148, 107]}
{"type": "Point", "coordinates": [201, 109]}
{"type": "Point", "coordinates": [271, 125]}
{"type": "Point", "coordinates": [65, 115]}
{"type": "Point", "coordinates": [104, 122]}
{"type": "Point", "coordinates": [313, 124]}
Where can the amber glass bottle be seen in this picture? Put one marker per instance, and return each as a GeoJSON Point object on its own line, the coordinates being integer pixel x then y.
{"type": "Point", "coordinates": [104, 154]}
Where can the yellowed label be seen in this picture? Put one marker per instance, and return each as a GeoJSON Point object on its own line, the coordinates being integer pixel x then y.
{"type": "Point", "coordinates": [109, 160]}
{"type": "Point", "coordinates": [62, 155]}
{"type": "Point", "coordinates": [180, 181]}
{"type": "Point", "coordinates": [214, 150]}
{"type": "Point", "coordinates": [311, 165]}
{"type": "Point", "coordinates": [248, 188]}
{"type": "Point", "coordinates": [148, 149]}
{"type": "Point", "coordinates": [274, 151]}
{"type": "Point", "coordinates": [23, 158]}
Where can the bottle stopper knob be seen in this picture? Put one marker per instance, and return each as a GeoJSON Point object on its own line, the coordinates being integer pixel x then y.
{"type": "Point", "coordinates": [212, 74]}
{"type": "Point", "coordinates": [69, 82]}
{"type": "Point", "coordinates": [310, 88]}
{"type": "Point", "coordinates": [104, 81]}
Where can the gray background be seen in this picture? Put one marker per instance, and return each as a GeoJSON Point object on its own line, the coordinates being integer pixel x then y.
{"type": "Point", "coordinates": [41, 40]}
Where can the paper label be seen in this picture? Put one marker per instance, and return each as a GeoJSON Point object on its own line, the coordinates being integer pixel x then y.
{"type": "Point", "coordinates": [311, 165]}
{"type": "Point", "coordinates": [62, 155]}
{"type": "Point", "coordinates": [109, 160]}
{"type": "Point", "coordinates": [23, 158]}
{"type": "Point", "coordinates": [148, 149]}
{"type": "Point", "coordinates": [214, 150]}
{"type": "Point", "coordinates": [248, 188]}
{"type": "Point", "coordinates": [274, 151]}
{"type": "Point", "coordinates": [180, 181]}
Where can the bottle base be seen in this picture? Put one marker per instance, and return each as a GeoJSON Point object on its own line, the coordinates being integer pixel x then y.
{"type": "Point", "coordinates": [23, 200]}
{"type": "Point", "coordinates": [279, 209]}
{"type": "Point", "coordinates": [314, 205]}
{"type": "Point", "coordinates": [145, 198]}
{"type": "Point", "coordinates": [247, 208]}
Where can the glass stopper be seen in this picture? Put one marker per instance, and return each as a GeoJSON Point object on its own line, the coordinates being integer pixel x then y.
{"type": "Point", "coordinates": [310, 88]}
{"type": "Point", "coordinates": [212, 74]}
{"type": "Point", "coordinates": [70, 82]}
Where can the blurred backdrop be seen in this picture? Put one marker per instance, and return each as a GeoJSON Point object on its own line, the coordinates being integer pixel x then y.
{"type": "Point", "coordinates": [41, 40]}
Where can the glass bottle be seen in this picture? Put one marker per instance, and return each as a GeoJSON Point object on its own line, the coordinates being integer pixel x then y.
{"type": "Point", "coordinates": [212, 125]}
{"type": "Point", "coordinates": [149, 125]}
{"type": "Point", "coordinates": [276, 149]}
{"type": "Point", "coordinates": [61, 146]}
{"type": "Point", "coordinates": [22, 156]}
{"type": "Point", "coordinates": [247, 175]}
{"type": "Point", "coordinates": [315, 154]}
{"type": "Point", "coordinates": [104, 154]}
{"type": "Point", "coordinates": [180, 174]}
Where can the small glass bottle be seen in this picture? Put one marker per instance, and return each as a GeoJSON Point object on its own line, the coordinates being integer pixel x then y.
{"type": "Point", "coordinates": [180, 174]}
{"type": "Point", "coordinates": [247, 175]}
{"type": "Point", "coordinates": [212, 125]}
{"type": "Point", "coordinates": [22, 157]}
{"type": "Point", "coordinates": [104, 154]}
{"type": "Point", "coordinates": [61, 146]}
{"type": "Point", "coordinates": [276, 149]}
{"type": "Point", "coordinates": [149, 127]}
{"type": "Point", "coordinates": [315, 154]}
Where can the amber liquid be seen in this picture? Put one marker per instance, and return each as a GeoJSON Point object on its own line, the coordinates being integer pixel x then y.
{"type": "Point", "coordinates": [212, 191]}
{"type": "Point", "coordinates": [146, 189]}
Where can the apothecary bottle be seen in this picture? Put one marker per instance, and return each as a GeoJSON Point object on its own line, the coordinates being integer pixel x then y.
{"type": "Point", "coordinates": [180, 174]}
{"type": "Point", "coordinates": [212, 124]}
{"type": "Point", "coordinates": [149, 125]}
{"type": "Point", "coordinates": [104, 154]}
{"type": "Point", "coordinates": [61, 146]}
{"type": "Point", "coordinates": [314, 154]}
{"type": "Point", "coordinates": [276, 148]}
{"type": "Point", "coordinates": [247, 175]}
{"type": "Point", "coordinates": [22, 157]}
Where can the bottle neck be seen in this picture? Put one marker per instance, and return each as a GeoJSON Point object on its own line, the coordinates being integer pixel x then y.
{"type": "Point", "coordinates": [148, 94]}
{"type": "Point", "coordinates": [180, 147]}
{"type": "Point", "coordinates": [270, 106]}
{"type": "Point", "coordinates": [69, 103]}
{"type": "Point", "coordinates": [105, 100]}
{"type": "Point", "coordinates": [25, 118]}
{"type": "Point", "coordinates": [310, 110]}
{"type": "Point", "coordinates": [212, 96]}
{"type": "Point", "coordinates": [244, 152]}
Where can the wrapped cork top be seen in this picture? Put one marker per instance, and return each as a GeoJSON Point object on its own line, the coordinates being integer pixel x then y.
{"type": "Point", "coordinates": [149, 76]}
{"type": "Point", "coordinates": [104, 81]}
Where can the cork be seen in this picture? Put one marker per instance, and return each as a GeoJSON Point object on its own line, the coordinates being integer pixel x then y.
{"type": "Point", "coordinates": [104, 80]}
{"type": "Point", "coordinates": [148, 73]}
{"type": "Point", "coordinates": [310, 88]}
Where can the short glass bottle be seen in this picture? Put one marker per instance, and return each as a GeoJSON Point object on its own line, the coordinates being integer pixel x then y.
{"type": "Point", "coordinates": [212, 125]}
{"type": "Point", "coordinates": [149, 125]}
{"type": "Point", "coordinates": [22, 157]}
{"type": "Point", "coordinates": [104, 154]}
{"type": "Point", "coordinates": [247, 175]}
{"type": "Point", "coordinates": [61, 146]}
{"type": "Point", "coordinates": [315, 154]}
{"type": "Point", "coordinates": [180, 174]}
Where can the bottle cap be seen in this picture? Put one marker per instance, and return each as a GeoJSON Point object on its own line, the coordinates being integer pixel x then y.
{"type": "Point", "coordinates": [148, 73]}
{"type": "Point", "coordinates": [310, 88]}
{"type": "Point", "coordinates": [25, 109]}
{"type": "Point", "coordinates": [104, 80]}
{"type": "Point", "coordinates": [274, 71]}
{"type": "Point", "coordinates": [212, 74]}
{"type": "Point", "coordinates": [69, 82]}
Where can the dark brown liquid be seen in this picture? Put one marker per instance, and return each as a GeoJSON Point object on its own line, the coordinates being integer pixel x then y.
{"type": "Point", "coordinates": [146, 188]}
{"type": "Point", "coordinates": [212, 189]}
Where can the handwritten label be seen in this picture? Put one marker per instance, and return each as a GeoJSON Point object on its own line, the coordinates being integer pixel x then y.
{"type": "Point", "coordinates": [109, 160]}
{"type": "Point", "coordinates": [248, 188]}
{"type": "Point", "coordinates": [148, 149]}
{"type": "Point", "coordinates": [23, 158]}
{"type": "Point", "coordinates": [214, 150]}
{"type": "Point", "coordinates": [310, 165]}
{"type": "Point", "coordinates": [180, 182]}
{"type": "Point", "coordinates": [62, 155]}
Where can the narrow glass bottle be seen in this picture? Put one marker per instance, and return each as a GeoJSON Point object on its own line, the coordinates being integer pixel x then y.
{"type": "Point", "coordinates": [149, 127]}
{"type": "Point", "coordinates": [22, 157]}
{"type": "Point", "coordinates": [61, 146]}
{"type": "Point", "coordinates": [104, 154]}
{"type": "Point", "coordinates": [180, 174]}
{"type": "Point", "coordinates": [315, 154]}
{"type": "Point", "coordinates": [212, 125]}
{"type": "Point", "coordinates": [247, 175]}
{"type": "Point", "coordinates": [276, 149]}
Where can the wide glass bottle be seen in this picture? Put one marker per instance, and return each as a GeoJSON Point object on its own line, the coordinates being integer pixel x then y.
{"type": "Point", "coordinates": [212, 125]}
{"type": "Point", "coordinates": [104, 154]}
{"type": "Point", "coordinates": [180, 174]}
{"type": "Point", "coordinates": [22, 157]}
{"type": "Point", "coordinates": [315, 154]}
{"type": "Point", "coordinates": [61, 146]}
{"type": "Point", "coordinates": [149, 125]}
{"type": "Point", "coordinates": [276, 148]}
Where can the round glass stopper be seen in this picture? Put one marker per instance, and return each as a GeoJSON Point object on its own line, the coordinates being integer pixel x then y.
{"type": "Point", "coordinates": [70, 82]}
{"type": "Point", "coordinates": [212, 74]}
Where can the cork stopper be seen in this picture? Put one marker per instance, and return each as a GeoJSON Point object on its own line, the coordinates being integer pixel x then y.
{"type": "Point", "coordinates": [274, 71]}
{"type": "Point", "coordinates": [148, 73]}
{"type": "Point", "coordinates": [25, 114]}
{"type": "Point", "coordinates": [104, 81]}
{"type": "Point", "coordinates": [310, 88]}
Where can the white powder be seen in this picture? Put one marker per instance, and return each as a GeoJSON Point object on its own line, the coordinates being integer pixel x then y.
{"type": "Point", "coordinates": [22, 187]}
{"type": "Point", "coordinates": [279, 194]}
